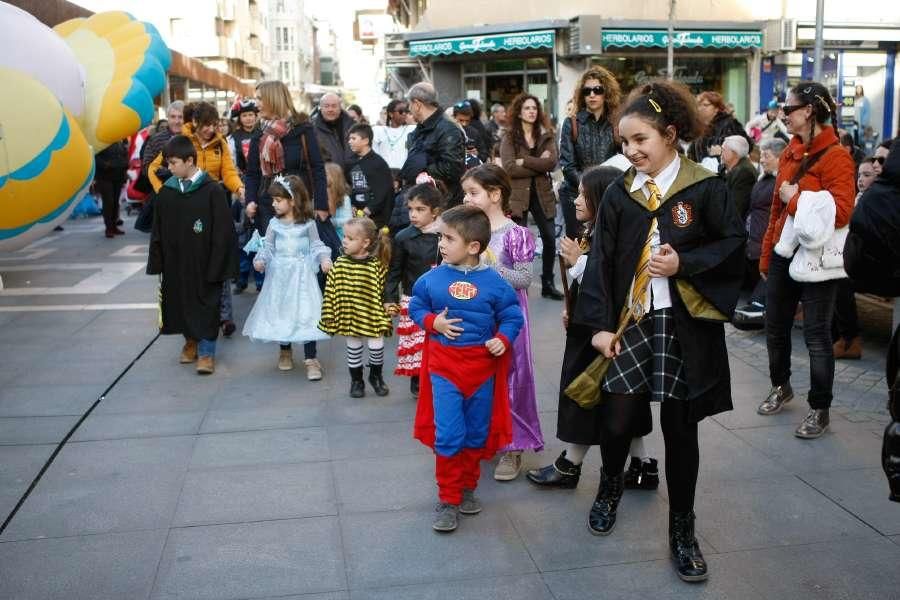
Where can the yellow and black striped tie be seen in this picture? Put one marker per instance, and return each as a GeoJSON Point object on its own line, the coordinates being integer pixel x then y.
{"type": "Point", "coordinates": [640, 288]}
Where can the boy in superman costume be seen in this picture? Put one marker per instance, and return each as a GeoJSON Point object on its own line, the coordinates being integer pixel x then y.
{"type": "Point", "coordinates": [471, 316]}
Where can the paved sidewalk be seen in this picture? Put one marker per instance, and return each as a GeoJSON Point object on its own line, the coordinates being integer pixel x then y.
{"type": "Point", "coordinates": [255, 483]}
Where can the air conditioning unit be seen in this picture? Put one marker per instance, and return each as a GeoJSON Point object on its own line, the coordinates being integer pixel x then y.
{"type": "Point", "coordinates": [780, 36]}
{"type": "Point", "coordinates": [585, 36]}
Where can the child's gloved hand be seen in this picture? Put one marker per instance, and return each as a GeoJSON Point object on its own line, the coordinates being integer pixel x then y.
{"type": "Point", "coordinates": [495, 346]}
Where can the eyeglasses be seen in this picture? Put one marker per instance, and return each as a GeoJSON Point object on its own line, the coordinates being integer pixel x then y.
{"type": "Point", "coordinates": [597, 90]}
{"type": "Point", "coordinates": [788, 109]}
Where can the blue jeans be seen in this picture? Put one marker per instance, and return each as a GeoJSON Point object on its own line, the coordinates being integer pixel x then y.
{"type": "Point", "coordinates": [206, 348]}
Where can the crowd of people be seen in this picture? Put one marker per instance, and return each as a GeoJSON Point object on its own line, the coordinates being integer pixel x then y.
{"type": "Point", "coordinates": [347, 227]}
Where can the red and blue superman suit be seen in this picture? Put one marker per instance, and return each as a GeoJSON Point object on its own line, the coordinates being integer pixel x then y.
{"type": "Point", "coordinates": [463, 410]}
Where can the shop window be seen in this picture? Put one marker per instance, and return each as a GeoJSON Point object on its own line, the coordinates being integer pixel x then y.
{"type": "Point", "coordinates": [500, 66]}
{"type": "Point", "coordinates": [473, 67]}
{"type": "Point", "coordinates": [536, 63]}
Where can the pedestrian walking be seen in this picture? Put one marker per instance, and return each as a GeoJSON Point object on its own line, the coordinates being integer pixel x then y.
{"type": "Point", "coordinates": [510, 252]}
{"type": "Point", "coordinates": [580, 427]}
{"type": "Point", "coordinates": [414, 252]}
{"type": "Point", "coordinates": [665, 270]}
{"type": "Point", "coordinates": [814, 170]}
{"type": "Point", "coordinates": [472, 317]}
{"type": "Point", "coordinates": [289, 307]}
{"type": "Point", "coordinates": [353, 306]}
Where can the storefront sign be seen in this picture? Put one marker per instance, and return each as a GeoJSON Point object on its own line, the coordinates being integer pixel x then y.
{"type": "Point", "coordinates": [488, 43]}
{"type": "Point", "coordinates": [654, 38]}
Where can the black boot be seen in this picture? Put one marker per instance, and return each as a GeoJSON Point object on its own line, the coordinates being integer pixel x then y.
{"type": "Point", "coordinates": [642, 475]}
{"type": "Point", "coordinates": [357, 385]}
{"type": "Point", "coordinates": [689, 561]}
{"type": "Point", "coordinates": [602, 518]}
{"type": "Point", "coordinates": [414, 386]}
{"type": "Point", "coordinates": [381, 388]}
{"type": "Point", "coordinates": [549, 291]}
{"type": "Point", "coordinates": [561, 474]}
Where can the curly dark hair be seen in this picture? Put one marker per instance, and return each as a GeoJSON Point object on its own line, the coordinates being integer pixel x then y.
{"type": "Point", "coordinates": [612, 95]}
{"type": "Point", "coordinates": [665, 103]}
{"type": "Point", "coordinates": [515, 120]}
{"type": "Point", "coordinates": [203, 113]}
{"type": "Point", "coordinates": [492, 178]}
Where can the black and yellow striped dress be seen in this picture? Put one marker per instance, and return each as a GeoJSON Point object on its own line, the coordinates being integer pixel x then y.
{"type": "Point", "coordinates": [353, 303]}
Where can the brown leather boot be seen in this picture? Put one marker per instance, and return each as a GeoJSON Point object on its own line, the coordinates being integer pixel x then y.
{"type": "Point", "coordinates": [206, 365]}
{"type": "Point", "coordinates": [188, 351]}
{"type": "Point", "coordinates": [850, 350]}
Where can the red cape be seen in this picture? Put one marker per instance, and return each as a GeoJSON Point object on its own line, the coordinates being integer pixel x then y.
{"type": "Point", "coordinates": [467, 367]}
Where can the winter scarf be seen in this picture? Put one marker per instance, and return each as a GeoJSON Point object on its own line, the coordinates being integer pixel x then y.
{"type": "Point", "coordinates": [271, 152]}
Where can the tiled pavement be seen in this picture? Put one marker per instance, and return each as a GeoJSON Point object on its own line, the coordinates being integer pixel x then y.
{"type": "Point", "coordinates": [258, 484]}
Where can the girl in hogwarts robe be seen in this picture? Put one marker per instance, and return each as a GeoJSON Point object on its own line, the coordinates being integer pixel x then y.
{"type": "Point", "coordinates": [666, 263]}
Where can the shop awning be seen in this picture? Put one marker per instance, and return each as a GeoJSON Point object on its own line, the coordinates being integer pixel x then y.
{"type": "Point", "coordinates": [659, 38]}
{"type": "Point", "coordinates": [522, 40]}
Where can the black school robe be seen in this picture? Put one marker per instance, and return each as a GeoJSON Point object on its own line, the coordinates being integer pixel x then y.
{"type": "Point", "coordinates": [193, 247]}
{"type": "Point", "coordinates": [701, 224]}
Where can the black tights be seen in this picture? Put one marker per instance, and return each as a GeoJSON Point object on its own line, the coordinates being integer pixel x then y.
{"type": "Point", "coordinates": [622, 414]}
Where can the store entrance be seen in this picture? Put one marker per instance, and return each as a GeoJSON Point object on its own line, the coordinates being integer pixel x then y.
{"type": "Point", "coordinates": [500, 81]}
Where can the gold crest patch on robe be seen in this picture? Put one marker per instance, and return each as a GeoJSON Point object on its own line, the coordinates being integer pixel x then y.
{"type": "Point", "coordinates": [682, 214]}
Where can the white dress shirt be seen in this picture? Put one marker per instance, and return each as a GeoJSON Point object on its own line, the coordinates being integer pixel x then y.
{"type": "Point", "coordinates": [659, 286]}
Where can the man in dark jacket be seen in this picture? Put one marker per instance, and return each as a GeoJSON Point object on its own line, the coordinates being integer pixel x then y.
{"type": "Point", "coordinates": [872, 260]}
{"type": "Point", "coordinates": [740, 175]}
{"type": "Point", "coordinates": [332, 125]}
{"type": "Point", "coordinates": [369, 177]}
{"type": "Point", "coordinates": [109, 177]}
{"type": "Point", "coordinates": [436, 146]}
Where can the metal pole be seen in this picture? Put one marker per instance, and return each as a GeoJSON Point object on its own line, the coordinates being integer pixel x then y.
{"type": "Point", "coordinates": [819, 53]}
{"type": "Point", "coordinates": [670, 63]}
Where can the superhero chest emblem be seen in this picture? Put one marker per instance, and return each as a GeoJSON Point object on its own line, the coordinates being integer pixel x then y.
{"type": "Point", "coordinates": [462, 290]}
{"type": "Point", "coordinates": [682, 214]}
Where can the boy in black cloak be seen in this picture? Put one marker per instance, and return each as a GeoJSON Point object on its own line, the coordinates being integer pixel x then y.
{"type": "Point", "coordinates": [193, 248]}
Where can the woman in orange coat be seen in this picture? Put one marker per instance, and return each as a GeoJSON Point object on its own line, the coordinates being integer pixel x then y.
{"type": "Point", "coordinates": [814, 161]}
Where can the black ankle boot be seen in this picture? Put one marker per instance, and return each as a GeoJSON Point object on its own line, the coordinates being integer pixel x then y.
{"type": "Point", "coordinates": [414, 386]}
{"type": "Point", "coordinates": [689, 562]}
{"type": "Point", "coordinates": [561, 474]}
{"type": "Point", "coordinates": [378, 384]}
{"type": "Point", "coordinates": [357, 385]}
{"type": "Point", "coordinates": [602, 518]}
{"type": "Point", "coordinates": [549, 291]}
{"type": "Point", "coordinates": [642, 475]}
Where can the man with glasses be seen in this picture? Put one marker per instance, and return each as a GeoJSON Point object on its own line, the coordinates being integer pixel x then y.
{"type": "Point", "coordinates": [586, 138]}
{"type": "Point", "coordinates": [436, 147]}
{"type": "Point", "coordinates": [390, 139]}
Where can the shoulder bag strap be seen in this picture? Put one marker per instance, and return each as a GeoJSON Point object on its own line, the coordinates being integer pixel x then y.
{"type": "Point", "coordinates": [811, 160]}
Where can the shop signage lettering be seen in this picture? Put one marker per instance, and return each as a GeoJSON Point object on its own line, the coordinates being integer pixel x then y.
{"type": "Point", "coordinates": [681, 74]}
{"type": "Point", "coordinates": [486, 43]}
{"type": "Point", "coordinates": [652, 38]}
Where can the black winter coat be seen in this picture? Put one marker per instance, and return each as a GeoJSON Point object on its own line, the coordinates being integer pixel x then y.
{"type": "Point", "coordinates": [703, 228]}
{"type": "Point", "coordinates": [413, 254]}
{"type": "Point", "coordinates": [722, 126]}
{"type": "Point", "coordinates": [372, 186]}
{"type": "Point", "coordinates": [437, 146]}
{"type": "Point", "coordinates": [740, 181]}
{"type": "Point", "coordinates": [758, 217]}
{"type": "Point", "coordinates": [256, 186]}
{"type": "Point", "coordinates": [333, 140]}
{"type": "Point", "coordinates": [593, 145]}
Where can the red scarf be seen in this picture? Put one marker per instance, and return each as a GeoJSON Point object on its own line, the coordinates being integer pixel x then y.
{"type": "Point", "coordinates": [271, 152]}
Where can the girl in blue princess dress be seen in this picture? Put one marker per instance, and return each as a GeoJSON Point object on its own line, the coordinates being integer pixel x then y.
{"type": "Point", "coordinates": [289, 306]}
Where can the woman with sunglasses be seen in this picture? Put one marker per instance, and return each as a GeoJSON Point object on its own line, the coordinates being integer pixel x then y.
{"type": "Point", "coordinates": [587, 137]}
{"type": "Point", "coordinates": [390, 140]}
{"type": "Point", "coordinates": [814, 161]}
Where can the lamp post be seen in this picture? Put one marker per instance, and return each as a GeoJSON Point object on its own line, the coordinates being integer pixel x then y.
{"type": "Point", "coordinates": [670, 63]}
{"type": "Point", "coordinates": [820, 41]}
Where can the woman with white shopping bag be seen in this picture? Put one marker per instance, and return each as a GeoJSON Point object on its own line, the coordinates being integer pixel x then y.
{"type": "Point", "coordinates": [802, 250]}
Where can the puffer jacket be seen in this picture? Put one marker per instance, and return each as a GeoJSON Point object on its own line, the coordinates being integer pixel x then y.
{"type": "Point", "coordinates": [533, 170]}
{"type": "Point", "coordinates": [214, 159]}
{"type": "Point", "coordinates": [833, 172]}
{"type": "Point", "coordinates": [437, 146]}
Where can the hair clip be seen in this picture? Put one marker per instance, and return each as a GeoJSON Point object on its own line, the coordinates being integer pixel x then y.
{"type": "Point", "coordinates": [807, 89]}
{"type": "Point", "coordinates": [655, 105]}
{"type": "Point", "coordinates": [425, 178]}
{"type": "Point", "coordinates": [280, 180]}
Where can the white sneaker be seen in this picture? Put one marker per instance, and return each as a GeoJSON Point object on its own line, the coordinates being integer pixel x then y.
{"type": "Point", "coordinates": [313, 369]}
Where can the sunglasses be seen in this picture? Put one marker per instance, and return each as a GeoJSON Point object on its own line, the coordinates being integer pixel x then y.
{"type": "Point", "coordinates": [788, 109]}
{"type": "Point", "coordinates": [597, 90]}
{"type": "Point", "coordinates": [879, 160]}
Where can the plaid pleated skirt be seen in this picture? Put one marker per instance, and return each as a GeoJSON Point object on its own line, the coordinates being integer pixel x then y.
{"type": "Point", "coordinates": [650, 360]}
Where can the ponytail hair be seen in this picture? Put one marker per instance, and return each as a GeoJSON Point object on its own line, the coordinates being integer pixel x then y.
{"type": "Point", "coordinates": [665, 104]}
{"type": "Point", "coordinates": [379, 240]}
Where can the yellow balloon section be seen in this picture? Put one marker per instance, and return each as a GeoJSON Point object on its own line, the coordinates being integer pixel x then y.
{"type": "Point", "coordinates": [49, 165]}
{"type": "Point", "coordinates": [46, 153]}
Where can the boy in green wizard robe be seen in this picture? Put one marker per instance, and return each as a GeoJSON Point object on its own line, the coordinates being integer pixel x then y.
{"type": "Point", "coordinates": [193, 248]}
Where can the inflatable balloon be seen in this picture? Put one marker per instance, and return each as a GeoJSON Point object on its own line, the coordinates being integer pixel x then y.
{"type": "Point", "coordinates": [90, 84]}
